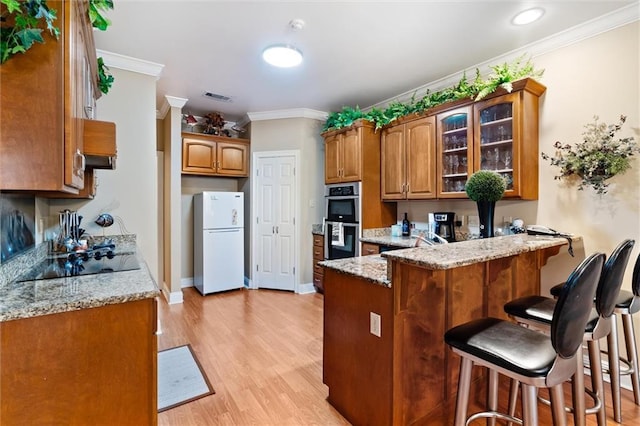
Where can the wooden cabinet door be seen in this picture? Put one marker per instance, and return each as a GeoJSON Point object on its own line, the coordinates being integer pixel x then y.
{"type": "Point", "coordinates": [392, 164]}
{"type": "Point", "coordinates": [332, 146]}
{"type": "Point", "coordinates": [350, 158]}
{"type": "Point", "coordinates": [231, 159]}
{"type": "Point", "coordinates": [420, 164]}
{"type": "Point", "coordinates": [198, 156]}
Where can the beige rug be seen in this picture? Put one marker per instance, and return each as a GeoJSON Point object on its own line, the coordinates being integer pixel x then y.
{"type": "Point", "coordinates": [180, 378]}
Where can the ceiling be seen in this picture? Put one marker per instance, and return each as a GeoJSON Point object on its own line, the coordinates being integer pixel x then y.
{"type": "Point", "coordinates": [355, 52]}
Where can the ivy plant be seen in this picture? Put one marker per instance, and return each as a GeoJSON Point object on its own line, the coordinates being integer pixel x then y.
{"type": "Point", "coordinates": [105, 79]}
{"type": "Point", "coordinates": [21, 25]}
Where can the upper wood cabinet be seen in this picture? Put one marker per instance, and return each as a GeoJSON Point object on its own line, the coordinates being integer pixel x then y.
{"type": "Point", "coordinates": [43, 97]}
{"type": "Point", "coordinates": [408, 160]}
{"type": "Point", "coordinates": [500, 134]}
{"type": "Point", "coordinates": [214, 155]}
{"type": "Point", "coordinates": [343, 154]}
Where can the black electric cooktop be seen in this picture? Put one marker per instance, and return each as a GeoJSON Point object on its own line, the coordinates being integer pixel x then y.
{"type": "Point", "coordinates": [82, 263]}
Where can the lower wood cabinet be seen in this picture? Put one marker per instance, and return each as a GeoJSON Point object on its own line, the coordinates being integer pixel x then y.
{"type": "Point", "coordinates": [318, 256]}
{"type": "Point", "coordinates": [87, 367]}
{"type": "Point", "coordinates": [214, 155]}
{"type": "Point", "coordinates": [369, 248]}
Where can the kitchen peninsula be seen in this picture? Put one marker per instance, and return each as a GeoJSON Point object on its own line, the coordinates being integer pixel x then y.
{"type": "Point", "coordinates": [80, 349]}
{"type": "Point", "coordinates": [405, 374]}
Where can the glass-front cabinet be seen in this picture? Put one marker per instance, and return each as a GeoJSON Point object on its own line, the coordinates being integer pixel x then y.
{"type": "Point", "coordinates": [499, 134]}
{"type": "Point", "coordinates": [496, 132]}
{"type": "Point", "coordinates": [455, 152]}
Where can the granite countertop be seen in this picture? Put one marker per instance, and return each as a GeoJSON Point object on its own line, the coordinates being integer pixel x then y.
{"type": "Point", "coordinates": [448, 256]}
{"type": "Point", "coordinates": [43, 297]}
{"type": "Point", "coordinates": [388, 240]}
{"type": "Point", "coordinates": [372, 268]}
{"type": "Point", "coordinates": [316, 229]}
{"type": "Point", "coordinates": [443, 256]}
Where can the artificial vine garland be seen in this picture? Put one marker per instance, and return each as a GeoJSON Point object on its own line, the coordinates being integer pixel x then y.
{"type": "Point", "coordinates": [502, 75]}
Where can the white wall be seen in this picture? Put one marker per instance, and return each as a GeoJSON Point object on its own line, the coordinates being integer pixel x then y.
{"type": "Point", "coordinates": [130, 192]}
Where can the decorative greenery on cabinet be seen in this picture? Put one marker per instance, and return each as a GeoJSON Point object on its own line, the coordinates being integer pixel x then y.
{"type": "Point", "coordinates": [502, 76]}
{"type": "Point", "coordinates": [21, 28]}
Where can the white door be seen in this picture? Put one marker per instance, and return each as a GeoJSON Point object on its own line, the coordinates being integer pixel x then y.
{"type": "Point", "coordinates": [275, 222]}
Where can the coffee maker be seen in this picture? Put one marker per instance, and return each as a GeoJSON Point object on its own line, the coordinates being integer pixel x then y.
{"type": "Point", "coordinates": [445, 225]}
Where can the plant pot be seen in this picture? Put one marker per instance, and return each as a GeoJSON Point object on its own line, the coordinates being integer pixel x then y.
{"type": "Point", "coordinates": [486, 211]}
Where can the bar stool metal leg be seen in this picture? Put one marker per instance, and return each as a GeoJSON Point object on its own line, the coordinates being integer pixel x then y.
{"type": "Point", "coordinates": [557, 405]}
{"type": "Point", "coordinates": [464, 385]}
{"type": "Point", "coordinates": [577, 393]}
{"type": "Point", "coordinates": [597, 384]}
{"type": "Point", "coordinates": [529, 405]}
{"type": "Point", "coordinates": [632, 354]}
{"type": "Point", "coordinates": [492, 394]}
{"type": "Point", "coordinates": [614, 369]}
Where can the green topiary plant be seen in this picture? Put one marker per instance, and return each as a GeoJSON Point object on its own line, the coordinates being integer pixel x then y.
{"type": "Point", "coordinates": [485, 185]}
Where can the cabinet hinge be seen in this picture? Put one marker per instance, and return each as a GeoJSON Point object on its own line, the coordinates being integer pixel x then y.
{"type": "Point", "coordinates": [294, 270]}
{"type": "Point", "coordinates": [257, 268]}
{"type": "Point", "coordinates": [257, 172]}
{"type": "Point", "coordinates": [257, 220]}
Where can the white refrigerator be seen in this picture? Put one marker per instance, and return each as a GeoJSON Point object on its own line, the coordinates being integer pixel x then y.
{"type": "Point", "coordinates": [218, 241]}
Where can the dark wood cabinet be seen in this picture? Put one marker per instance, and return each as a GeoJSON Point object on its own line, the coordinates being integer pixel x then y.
{"type": "Point", "coordinates": [43, 97]}
{"type": "Point", "coordinates": [214, 155]}
{"type": "Point", "coordinates": [318, 256]}
{"type": "Point", "coordinates": [369, 249]}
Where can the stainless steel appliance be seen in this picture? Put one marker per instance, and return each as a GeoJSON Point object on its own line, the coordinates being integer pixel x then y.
{"type": "Point", "coordinates": [445, 225]}
{"type": "Point", "coordinates": [342, 221]}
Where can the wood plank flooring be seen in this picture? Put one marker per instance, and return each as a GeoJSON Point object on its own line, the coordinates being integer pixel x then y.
{"type": "Point", "coordinates": [262, 353]}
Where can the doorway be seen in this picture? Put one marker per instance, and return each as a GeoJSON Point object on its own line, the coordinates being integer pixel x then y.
{"type": "Point", "coordinates": [276, 235]}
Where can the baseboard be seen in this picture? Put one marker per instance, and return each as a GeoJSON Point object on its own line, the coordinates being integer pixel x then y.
{"type": "Point", "coordinates": [172, 298]}
{"type": "Point", "coordinates": [186, 282]}
{"type": "Point", "coordinates": [307, 288]}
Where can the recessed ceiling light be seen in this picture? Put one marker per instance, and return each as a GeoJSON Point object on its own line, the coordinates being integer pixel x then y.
{"type": "Point", "coordinates": [282, 55]}
{"type": "Point", "coordinates": [528, 16]}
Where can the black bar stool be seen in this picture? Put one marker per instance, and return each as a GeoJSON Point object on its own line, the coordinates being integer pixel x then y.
{"type": "Point", "coordinates": [534, 359]}
{"type": "Point", "coordinates": [628, 303]}
{"type": "Point", "coordinates": [535, 311]}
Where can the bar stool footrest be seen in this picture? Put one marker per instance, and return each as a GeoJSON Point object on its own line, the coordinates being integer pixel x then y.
{"type": "Point", "coordinates": [597, 403]}
{"type": "Point", "coordinates": [493, 415]}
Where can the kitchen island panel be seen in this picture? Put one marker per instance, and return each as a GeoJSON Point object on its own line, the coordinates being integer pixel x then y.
{"type": "Point", "coordinates": [357, 365]}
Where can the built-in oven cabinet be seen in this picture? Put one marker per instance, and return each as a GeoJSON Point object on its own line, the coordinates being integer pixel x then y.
{"type": "Point", "coordinates": [341, 243]}
{"type": "Point", "coordinates": [342, 156]}
{"type": "Point", "coordinates": [499, 133]}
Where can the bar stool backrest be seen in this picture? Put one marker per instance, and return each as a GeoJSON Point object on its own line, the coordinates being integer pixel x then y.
{"type": "Point", "coordinates": [574, 305]}
{"type": "Point", "coordinates": [611, 279]}
{"type": "Point", "coordinates": [635, 278]}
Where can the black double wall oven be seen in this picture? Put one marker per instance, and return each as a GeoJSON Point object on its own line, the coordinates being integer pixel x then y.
{"type": "Point", "coordinates": [342, 221]}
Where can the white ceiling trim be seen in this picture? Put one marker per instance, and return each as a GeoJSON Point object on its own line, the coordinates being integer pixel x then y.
{"type": "Point", "coordinates": [602, 24]}
{"type": "Point", "coordinates": [168, 103]}
{"type": "Point", "coordinates": [288, 113]}
{"type": "Point", "coordinates": [128, 63]}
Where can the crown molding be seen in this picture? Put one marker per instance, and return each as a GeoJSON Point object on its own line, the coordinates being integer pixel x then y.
{"type": "Point", "coordinates": [592, 28]}
{"type": "Point", "coordinates": [128, 63]}
{"type": "Point", "coordinates": [168, 103]}
{"type": "Point", "coordinates": [287, 113]}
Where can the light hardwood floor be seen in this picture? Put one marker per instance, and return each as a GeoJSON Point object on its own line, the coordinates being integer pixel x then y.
{"type": "Point", "coordinates": [262, 353]}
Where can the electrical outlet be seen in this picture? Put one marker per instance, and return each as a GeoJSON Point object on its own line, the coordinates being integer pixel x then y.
{"type": "Point", "coordinates": [374, 323]}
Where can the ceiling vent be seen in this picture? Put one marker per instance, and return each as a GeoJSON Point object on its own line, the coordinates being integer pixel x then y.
{"type": "Point", "coordinates": [217, 97]}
